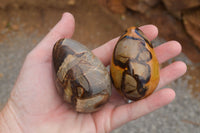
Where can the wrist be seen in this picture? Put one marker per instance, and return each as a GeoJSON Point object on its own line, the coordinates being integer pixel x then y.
{"type": "Point", "coordinates": [8, 122]}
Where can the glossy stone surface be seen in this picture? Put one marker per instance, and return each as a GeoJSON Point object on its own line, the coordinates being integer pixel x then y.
{"type": "Point", "coordinates": [80, 76]}
{"type": "Point", "coordinates": [134, 66]}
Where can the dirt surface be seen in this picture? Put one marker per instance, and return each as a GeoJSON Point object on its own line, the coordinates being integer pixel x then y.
{"type": "Point", "coordinates": [22, 27]}
{"type": "Point", "coordinates": [92, 28]}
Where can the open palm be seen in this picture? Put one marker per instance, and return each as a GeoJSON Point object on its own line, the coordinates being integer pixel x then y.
{"type": "Point", "coordinates": [35, 106]}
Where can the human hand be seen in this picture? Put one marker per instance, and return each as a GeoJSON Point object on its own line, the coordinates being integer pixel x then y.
{"type": "Point", "coordinates": [35, 106]}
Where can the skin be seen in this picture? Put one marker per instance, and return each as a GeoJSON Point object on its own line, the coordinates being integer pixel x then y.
{"type": "Point", "coordinates": [35, 106]}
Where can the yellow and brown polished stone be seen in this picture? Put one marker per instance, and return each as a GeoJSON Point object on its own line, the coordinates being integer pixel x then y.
{"type": "Point", "coordinates": [134, 66]}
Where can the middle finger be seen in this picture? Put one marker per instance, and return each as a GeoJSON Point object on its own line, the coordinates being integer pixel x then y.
{"type": "Point", "coordinates": [167, 51]}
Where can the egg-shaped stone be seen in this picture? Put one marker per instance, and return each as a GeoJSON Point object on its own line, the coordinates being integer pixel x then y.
{"type": "Point", "coordinates": [81, 78]}
{"type": "Point", "coordinates": [134, 67]}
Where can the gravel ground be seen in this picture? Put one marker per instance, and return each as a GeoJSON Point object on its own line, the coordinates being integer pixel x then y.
{"type": "Point", "coordinates": [181, 116]}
